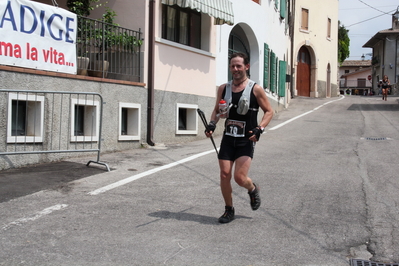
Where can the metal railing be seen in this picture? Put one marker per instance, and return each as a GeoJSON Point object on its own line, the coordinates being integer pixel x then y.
{"type": "Point", "coordinates": [40, 122]}
{"type": "Point", "coordinates": [108, 51]}
{"type": "Point", "coordinates": [347, 83]}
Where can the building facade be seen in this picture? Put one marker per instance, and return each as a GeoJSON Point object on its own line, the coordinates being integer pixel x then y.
{"type": "Point", "coordinates": [355, 77]}
{"type": "Point", "coordinates": [385, 60]}
{"type": "Point", "coordinates": [315, 48]}
{"type": "Point", "coordinates": [182, 60]}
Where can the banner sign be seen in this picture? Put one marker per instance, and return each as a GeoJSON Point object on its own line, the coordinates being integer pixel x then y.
{"type": "Point", "coordinates": [38, 36]}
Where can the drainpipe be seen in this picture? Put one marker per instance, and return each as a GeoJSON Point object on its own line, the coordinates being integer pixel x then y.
{"type": "Point", "coordinates": [150, 83]}
{"type": "Point", "coordinates": [292, 47]}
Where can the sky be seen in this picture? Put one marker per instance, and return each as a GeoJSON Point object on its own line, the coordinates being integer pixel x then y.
{"type": "Point", "coordinates": [363, 19]}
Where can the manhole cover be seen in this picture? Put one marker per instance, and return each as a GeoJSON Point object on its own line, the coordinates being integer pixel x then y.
{"type": "Point", "coordinates": [375, 138]}
{"type": "Point", "coordinates": [355, 262]}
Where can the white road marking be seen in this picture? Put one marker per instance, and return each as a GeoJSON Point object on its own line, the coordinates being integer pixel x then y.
{"type": "Point", "coordinates": [36, 216]}
{"type": "Point", "coordinates": [299, 116]}
{"type": "Point", "coordinates": [152, 171]}
{"type": "Point", "coordinates": [146, 173]}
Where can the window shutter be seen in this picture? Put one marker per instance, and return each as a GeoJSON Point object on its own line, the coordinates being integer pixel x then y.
{"type": "Point", "coordinates": [266, 63]}
{"type": "Point", "coordinates": [283, 6]}
{"type": "Point", "coordinates": [282, 77]}
{"type": "Point", "coordinates": [305, 18]}
{"type": "Point", "coordinates": [276, 3]}
{"type": "Point", "coordinates": [276, 76]}
{"type": "Point", "coordinates": [272, 71]}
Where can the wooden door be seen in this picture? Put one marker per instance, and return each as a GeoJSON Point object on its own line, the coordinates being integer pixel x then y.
{"type": "Point", "coordinates": [303, 73]}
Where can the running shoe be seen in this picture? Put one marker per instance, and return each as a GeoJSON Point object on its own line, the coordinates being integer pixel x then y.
{"type": "Point", "coordinates": [227, 216]}
{"type": "Point", "coordinates": [255, 198]}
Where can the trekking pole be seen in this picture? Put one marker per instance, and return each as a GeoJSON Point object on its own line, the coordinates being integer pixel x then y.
{"type": "Point", "coordinates": [203, 118]}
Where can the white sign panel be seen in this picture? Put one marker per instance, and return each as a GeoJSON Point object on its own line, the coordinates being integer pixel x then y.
{"type": "Point", "coordinates": [38, 36]}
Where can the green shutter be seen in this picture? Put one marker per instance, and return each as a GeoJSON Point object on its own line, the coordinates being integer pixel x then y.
{"type": "Point", "coordinates": [282, 77]}
{"type": "Point", "coordinates": [272, 71]}
{"type": "Point", "coordinates": [276, 76]}
{"type": "Point", "coordinates": [283, 6]}
{"type": "Point", "coordinates": [276, 3]}
{"type": "Point", "coordinates": [266, 66]}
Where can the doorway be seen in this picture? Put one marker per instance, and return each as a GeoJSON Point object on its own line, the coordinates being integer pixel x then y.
{"type": "Point", "coordinates": [303, 72]}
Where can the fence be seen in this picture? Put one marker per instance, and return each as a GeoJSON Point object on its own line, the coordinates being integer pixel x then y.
{"type": "Point", "coordinates": [106, 50]}
{"type": "Point", "coordinates": [355, 83]}
{"type": "Point", "coordinates": [37, 122]}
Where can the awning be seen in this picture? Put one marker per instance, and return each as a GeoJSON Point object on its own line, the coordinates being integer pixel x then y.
{"type": "Point", "coordinates": [221, 10]}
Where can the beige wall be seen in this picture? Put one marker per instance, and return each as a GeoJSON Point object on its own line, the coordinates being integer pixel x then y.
{"type": "Point", "coordinates": [323, 50]}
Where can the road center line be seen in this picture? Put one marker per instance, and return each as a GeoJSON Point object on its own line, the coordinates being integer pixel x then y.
{"type": "Point", "coordinates": [36, 216]}
{"type": "Point", "coordinates": [155, 170]}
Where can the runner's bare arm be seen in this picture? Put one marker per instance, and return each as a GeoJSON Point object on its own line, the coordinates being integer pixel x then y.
{"type": "Point", "coordinates": [264, 104]}
{"type": "Point", "coordinates": [214, 116]}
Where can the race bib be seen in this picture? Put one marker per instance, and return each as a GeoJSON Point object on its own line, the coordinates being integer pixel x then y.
{"type": "Point", "coordinates": [235, 128]}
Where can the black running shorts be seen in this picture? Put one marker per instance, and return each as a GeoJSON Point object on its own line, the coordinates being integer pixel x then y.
{"type": "Point", "coordinates": [232, 148]}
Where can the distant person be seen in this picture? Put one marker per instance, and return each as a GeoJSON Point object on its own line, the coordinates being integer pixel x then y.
{"type": "Point", "coordinates": [385, 85]}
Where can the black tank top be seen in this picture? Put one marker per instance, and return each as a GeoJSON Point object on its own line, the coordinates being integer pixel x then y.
{"type": "Point", "coordinates": [251, 117]}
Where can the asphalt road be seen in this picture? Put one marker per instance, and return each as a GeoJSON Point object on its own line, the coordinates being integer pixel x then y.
{"type": "Point", "coordinates": [327, 169]}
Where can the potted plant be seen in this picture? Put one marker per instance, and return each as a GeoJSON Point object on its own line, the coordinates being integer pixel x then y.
{"type": "Point", "coordinates": [104, 36]}
{"type": "Point", "coordinates": [82, 8]}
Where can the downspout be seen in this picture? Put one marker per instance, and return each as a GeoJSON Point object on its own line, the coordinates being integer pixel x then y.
{"type": "Point", "coordinates": [292, 48]}
{"type": "Point", "coordinates": [150, 83]}
{"type": "Point", "coordinates": [396, 61]}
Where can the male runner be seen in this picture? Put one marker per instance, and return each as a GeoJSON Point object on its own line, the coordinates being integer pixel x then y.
{"type": "Point", "coordinates": [241, 133]}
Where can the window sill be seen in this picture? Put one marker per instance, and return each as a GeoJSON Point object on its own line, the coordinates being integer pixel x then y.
{"type": "Point", "coordinates": [127, 137]}
{"type": "Point", "coordinates": [84, 139]}
{"type": "Point", "coordinates": [304, 31]}
{"type": "Point", "coordinates": [24, 139]}
{"type": "Point", "coordinates": [184, 47]}
{"type": "Point", "coordinates": [187, 132]}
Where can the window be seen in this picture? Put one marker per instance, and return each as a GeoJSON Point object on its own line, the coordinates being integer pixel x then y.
{"type": "Point", "coordinates": [181, 25]}
{"type": "Point", "coordinates": [85, 120]}
{"type": "Point", "coordinates": [282, 78]}
{"type": "Point", "coordinates": [266, 68]}
{"type": "Point", "coordinates": [329, 28]}
{"type": "Point", "coordinates": [273, 71]}
{"type": "Point", "coordinates": [361, 82]}
{"type": "Point", "coordinates": [283, 7]}
{"type": "Point", "coordinates": [346, 71]}
{"type": "Point", "coordinates": [129, 121]}
{"type": "Point", "coordinates": [187, 122]}
{"type": "Point", "coordinates": [25, 118]}
{"type": "Point", "coordinates": [305, 19]}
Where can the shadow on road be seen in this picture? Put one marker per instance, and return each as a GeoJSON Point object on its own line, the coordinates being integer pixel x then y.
{"type": "Point", "coordinates": [374, 107]}
{"type": "Point", "coordinates": [20, 182]}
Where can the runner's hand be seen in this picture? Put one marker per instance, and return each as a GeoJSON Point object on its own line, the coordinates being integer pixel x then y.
{"type": "Point", "coordinates": [210, 129]}
{"type": "Point", "coordinates": [256, 134]}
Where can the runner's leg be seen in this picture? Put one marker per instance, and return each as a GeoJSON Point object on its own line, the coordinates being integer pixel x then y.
{"type": "Point", "coordinates": [241, 172]}
{"type": "Point", "coordinates": [226, 167]}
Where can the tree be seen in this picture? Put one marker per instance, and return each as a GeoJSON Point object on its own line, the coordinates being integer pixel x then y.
{"type": "Point", "coordinates": [83, 7]}
{"type": "Point", "coordinates": [343, 43]}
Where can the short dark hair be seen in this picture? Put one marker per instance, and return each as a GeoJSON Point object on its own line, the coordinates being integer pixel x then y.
{"type": "Point", "coordinates": [242, 55]}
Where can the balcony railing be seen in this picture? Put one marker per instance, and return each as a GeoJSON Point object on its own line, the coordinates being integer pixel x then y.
{"type": "Point", "coordinates": [360, 83]}
{"type": "Point", "coordinates": [108, 51]}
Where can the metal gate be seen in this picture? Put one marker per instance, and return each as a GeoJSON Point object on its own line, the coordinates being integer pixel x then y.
{"type": "Point", "coordinates": [34, 122]}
